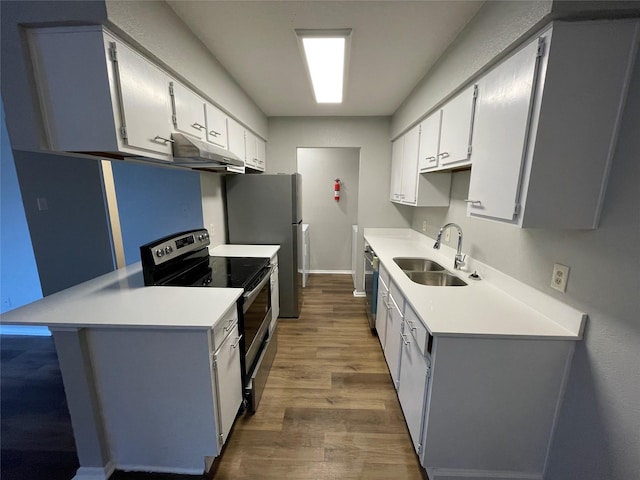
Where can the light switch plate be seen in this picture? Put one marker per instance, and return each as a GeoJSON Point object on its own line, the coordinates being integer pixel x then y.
{"type": "Point", "coordinates": [447, 234]}
{"type": "Point", "coordinates": [560, 277]}
{"type": "Point", "coordinates": [424, 225]}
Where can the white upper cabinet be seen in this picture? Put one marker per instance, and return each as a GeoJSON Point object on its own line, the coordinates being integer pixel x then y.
{"type": "Point", "coordinates": [397, 147]}
{"type": "Point", "coordinates": [409, 172]}
{"type": "Point", "coordinates": [446, 134]}
{"type": "Point", "coordinates": [236, 140]}
{"type": "Point", "coordinates": [255, 151]}
{"type": "Point", "coordinates": [408, 186]}
{"type": "Point", "coordinates": [142, 90]}
{"type": "Point", "coordinates": [100, 96]}
{"type": "Point", "coordinates": [216, 122]}
{"type": "Point", "coordinates": [546, 123]}
{"type": "Point", "coordinates": [261, 153]}
{"type": "Point", "coordinates": [429, 141]}
{"type": "Point", "coordinates": [456, 128]}
{"type": "Point", "coordinates": [502, 121]}
{"type": "Point", "coordinates": [188, 111]}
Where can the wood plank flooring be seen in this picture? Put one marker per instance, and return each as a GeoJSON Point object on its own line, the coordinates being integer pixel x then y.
{"type": "Point", "coordinates": [329, 409]}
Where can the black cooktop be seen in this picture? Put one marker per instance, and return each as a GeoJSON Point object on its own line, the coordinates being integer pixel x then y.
{"type": "Point", "coordinates": [225, 272]}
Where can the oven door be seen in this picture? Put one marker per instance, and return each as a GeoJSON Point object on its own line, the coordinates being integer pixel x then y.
{"type": "Point", "coordinates": [256, 316]}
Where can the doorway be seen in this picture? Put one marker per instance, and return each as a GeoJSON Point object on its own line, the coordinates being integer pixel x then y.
{"type": "Point", "coordinates": [330, 222]}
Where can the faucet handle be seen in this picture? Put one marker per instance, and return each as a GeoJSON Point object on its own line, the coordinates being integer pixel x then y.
{"type": "Point", "coordinates": [460, 260]}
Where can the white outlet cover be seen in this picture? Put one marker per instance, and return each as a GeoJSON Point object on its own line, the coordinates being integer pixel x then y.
{"type": "Point", "coordinates": [560, 277]}
{"type": "Point", "coordinates": [447, 235]}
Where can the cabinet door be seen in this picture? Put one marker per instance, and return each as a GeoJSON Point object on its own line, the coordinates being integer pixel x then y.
{"type": "Point", "coordinates": [397, 147]}
{"type": "Point", "coordinates": [413, 383]}
{"type": "Point", "coordinates": [409, 179]}
{"type": "Point", "coordinates": [188, 111]}
{"type": "Point", "coordinates": [393, 341]}
{"type": "Point", "coordinates": [216, 123]}
{"type": "Point", "coordinates": [275, 295]}
{"type": "Point", "coordinates": [236, 139]}
{"type": "Point", "coordinates": [381, 311]}
{"type": "Point", "coordinates": [251, 150]}
{"type": "Point", "coordinates": [228, 382]}
{"type": "Point", "coordinates": [145, 105]}
{"type": "Point", "coordinates": [499, 141]}
{"type": "Point", "coordinates": [429, 141]}
{"type": "Point", "coordinates": [455, 133]}
{"type": "Point", "coordinates": [261, 153]}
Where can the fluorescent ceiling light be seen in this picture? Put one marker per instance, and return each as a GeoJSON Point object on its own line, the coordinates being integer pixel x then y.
{"type": "Point", "coordinates": [325, 52]}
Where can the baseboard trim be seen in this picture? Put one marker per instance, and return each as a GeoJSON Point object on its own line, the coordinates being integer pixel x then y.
{"type": "Point", "coordinates": [333, 272]}
{"type": "Point", "coordinates": [95, 473]}
{"type": "Point", "coordinates": [156, 469]}
{"type": "Point", "coordinates": [460, 474]}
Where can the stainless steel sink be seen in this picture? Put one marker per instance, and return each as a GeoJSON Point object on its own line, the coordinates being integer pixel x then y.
{"type": "Point", "coordinates": [418, 265]}
{"type": "Point", "coordinates": [436, 279]}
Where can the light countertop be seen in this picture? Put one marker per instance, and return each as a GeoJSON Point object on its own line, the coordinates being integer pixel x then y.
{"type": "Point", "coordinates": [266, 251]}
{"type": "Point", "coordinates": [481, 307]}
{"type": "Point", "coordinates": [120, 299]}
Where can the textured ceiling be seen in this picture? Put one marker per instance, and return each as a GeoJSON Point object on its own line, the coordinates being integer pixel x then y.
{"type": "Point", "coordinates": [393, 45]}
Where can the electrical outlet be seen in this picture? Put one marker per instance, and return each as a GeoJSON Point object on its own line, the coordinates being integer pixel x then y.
{"type": "Point", "coordinates": [424, 225]}
{"type": "Point", "coordinates": [212, 230]}
{"type": "Point", "coordinates": [560, 277]}
{"type": "Point", "coordinates": [447, 234]}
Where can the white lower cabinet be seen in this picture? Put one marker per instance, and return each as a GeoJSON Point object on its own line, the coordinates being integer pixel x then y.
{"type": "Point", "coordinates": [475, 406]}
{"type": "Point", "coordinates": [393, 338]}
{"type": "Point", "coordinates": [382, 310]}
{"type": "Point", "coordinates": [227, 382]}
{"type": "Point", "coordinates": [414, 375]}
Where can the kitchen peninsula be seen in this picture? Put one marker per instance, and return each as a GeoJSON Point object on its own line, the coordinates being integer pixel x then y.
{"type": "Point", "coordinates": [133, 360]}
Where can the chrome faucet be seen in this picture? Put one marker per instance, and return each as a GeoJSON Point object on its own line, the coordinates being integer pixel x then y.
{"type": "Point", "coordinates": [459, 259]}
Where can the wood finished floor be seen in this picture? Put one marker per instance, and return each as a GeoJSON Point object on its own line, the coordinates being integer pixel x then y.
{"type": "Point", "coordinates": [329, 409]}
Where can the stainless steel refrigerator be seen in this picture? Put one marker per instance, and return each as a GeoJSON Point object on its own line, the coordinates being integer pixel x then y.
{"type": "Point", "coordinates": [265, 210]}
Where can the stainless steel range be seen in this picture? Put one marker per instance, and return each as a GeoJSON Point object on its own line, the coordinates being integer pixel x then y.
{"type": "Point", "coordinates": [183, 260]}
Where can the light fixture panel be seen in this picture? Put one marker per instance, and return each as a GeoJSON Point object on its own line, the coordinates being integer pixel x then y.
{"type": "Point", "coordinates": [325, 53]}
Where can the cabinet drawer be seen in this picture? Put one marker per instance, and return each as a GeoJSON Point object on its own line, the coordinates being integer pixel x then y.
{"type": "Point", "coordinates": [223, 327]}
{"type": "Point", "coordinates": [419, 332]}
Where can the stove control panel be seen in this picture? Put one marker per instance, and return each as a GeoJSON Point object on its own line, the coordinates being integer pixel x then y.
{"type": "Point", "coordinates": [168, 248]}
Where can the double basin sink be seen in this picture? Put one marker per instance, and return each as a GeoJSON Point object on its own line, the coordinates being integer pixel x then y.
{"type": "Point", "coordinates": [428, 272]}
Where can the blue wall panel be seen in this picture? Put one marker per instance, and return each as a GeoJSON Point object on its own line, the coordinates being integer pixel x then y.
{"type": "Point", "coordinates": [19, 281]}
{"type": "Point", "coordinates": [154, 202]}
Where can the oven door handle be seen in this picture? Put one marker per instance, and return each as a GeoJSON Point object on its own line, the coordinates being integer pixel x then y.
{"type": "Point", "coordinates": [249, 296]}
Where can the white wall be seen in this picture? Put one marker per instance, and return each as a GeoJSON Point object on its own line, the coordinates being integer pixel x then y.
{"type": "Point", "coordinates": [371, 135]}
{"type": "Point", "coordinates": [598, 433]}
{"type": "Point", "coordinates": [213, 207]}
{"type": "Point", "coordinates": [330, 222]}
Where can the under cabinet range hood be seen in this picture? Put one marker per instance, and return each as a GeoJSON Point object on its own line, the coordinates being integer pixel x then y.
{"type": "Point", "coordinates": [194, 153]}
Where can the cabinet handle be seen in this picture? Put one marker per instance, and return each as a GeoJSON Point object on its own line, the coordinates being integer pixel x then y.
{"type": "Point", "coordinates": [235, 345]}
{"type": "Point", "coordinates": [404, 339]}
{"type": "Point", "coordinates": [430, 159]}
{"type": "Point", "coordinates": [162, 139]}
{"type": "Point", "coordinates": [214, 133]}
{"type": "Point", "coordinates": [444, 155]}
{"type": "Point", "coordinates": [473, 202]}
{"type": "Point", "coordinates": [411, 325]}
{"type": "Point", "coordinates": [197, 126]}
{"type": "Point", "coordinates": [231, 324]}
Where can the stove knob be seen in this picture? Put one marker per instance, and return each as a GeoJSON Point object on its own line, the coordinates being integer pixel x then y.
{"type": "Point", "coordinates": [170, 249]}
{"type": "Point", "coordinates": [200, 237]}
{"type": "Point", "coordinates": [159, 253]}
{"type": "Point", "coordinates": [167, 250]}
